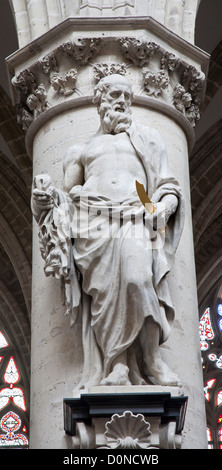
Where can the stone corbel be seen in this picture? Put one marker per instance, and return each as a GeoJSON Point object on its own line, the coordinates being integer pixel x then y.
{"type": "Point", "coordinates": [85, 436]}
{"type": "Point", "coordinates": [127, 431]}
{"type": "Point", "coordinates": [131, 421]}
{"type": "Point", "coordinates": [169, 439]}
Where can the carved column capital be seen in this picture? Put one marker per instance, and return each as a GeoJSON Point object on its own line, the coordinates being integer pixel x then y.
{"type": "Point", "coordinates": [68, 65]}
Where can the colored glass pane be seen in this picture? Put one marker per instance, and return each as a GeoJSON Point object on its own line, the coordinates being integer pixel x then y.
{"type": "Point", "coordinates": [209, 438]}
{"type": "Point", "coordinates": [219, 398]}
{"type": "Point", "coordinates": [209, 385]}
{"type": "Point", "coordinates": [220, 437]}
{"type": "Point", "coordinates": [3, 342]}
{"type": "Point", "coordinates": [219, 362]}
{"type": "Point", "coordinates": [10, 423]}
{"type": "Point", "coordinates": [10, 393]}
{"type": "Point", "coordinates": [219, 419]}
{"type": "Point", "coordinates": [212, 357]}
{"type": "Point", "coordinates": [205, 330]}
{"type": "Point", "coordinates": [219, 309]}
{"type": "Point", "coordinates": [11, 439]}
{"type": "Point", "coordinates": [11, 375]}
{"type": "Point", "coordinates": [15, 394]}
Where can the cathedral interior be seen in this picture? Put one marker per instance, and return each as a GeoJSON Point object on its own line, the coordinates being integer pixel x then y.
{"type": "Point", "coordinates": [206, 196]}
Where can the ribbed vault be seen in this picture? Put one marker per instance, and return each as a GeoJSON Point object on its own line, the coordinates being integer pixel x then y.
{"type": "Point", "coordinates": [206, 194]}
{"type": "Point", "coordinates": [214, 81]}
{"type": "Point", "coordinates": [15, 255]}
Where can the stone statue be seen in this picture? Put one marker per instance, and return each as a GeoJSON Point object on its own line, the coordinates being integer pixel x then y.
{"type": "Point", "coordinates": [112, 254]}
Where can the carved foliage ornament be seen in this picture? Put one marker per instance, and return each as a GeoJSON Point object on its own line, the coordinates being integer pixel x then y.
{"type": "Point", "coordinates": [64, 83]}
{"type": "Point", "coordinates": [102, 70]}
{"type": "Point", "coordinates": [81, 49]}
{"type": "Point", "coordinates": [164, 76]}
{"type": "Point", "coordinates": [186, 81]}
{"type": "Point", "coordinates": [138, 51]}
{"type": "Point", "coordinates": [32, 93]}
{"type": "Point", "coordinates": [155, 82]}
{"type": "Point", "coordinates": [48, 64]}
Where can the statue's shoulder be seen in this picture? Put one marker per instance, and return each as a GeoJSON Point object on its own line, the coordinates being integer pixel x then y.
{"type": "Point", "coordinates": [147, 132]}
{"type": "Point", "coordinates": [73, 154]}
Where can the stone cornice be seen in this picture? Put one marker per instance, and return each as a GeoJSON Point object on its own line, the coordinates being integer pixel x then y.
{"type": "Point", "coordinates": [111, 24]}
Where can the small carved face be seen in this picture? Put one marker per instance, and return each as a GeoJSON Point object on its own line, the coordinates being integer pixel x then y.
{"type": "Point", "coordinates": [119, 97]}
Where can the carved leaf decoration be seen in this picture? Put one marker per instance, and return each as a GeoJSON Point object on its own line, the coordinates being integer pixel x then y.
{"type": "Point", "coordinates": [102, 70]}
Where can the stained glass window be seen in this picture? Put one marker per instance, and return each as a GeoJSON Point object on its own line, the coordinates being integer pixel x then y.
{"type": "Point", "coordinates": [210, 330]}
{"type": "Point", "coordinates": [205, 330]}
{"type": "Point", "coordinates": [12, 400]}
{"type": "Point", "coordinates": [209, 385]}
{"type": "Point", "coordinates": [10, 423]}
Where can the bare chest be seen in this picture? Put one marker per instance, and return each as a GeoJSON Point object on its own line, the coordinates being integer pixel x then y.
{"type": "Point", "coordinates": [112, 149]}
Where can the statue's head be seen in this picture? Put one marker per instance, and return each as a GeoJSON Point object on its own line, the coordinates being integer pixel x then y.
{"type": "Point", "coordinates": [113, 96]}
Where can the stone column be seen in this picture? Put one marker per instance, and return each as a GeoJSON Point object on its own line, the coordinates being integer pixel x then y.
{"type": "Point", "coordinates": [52, 86]}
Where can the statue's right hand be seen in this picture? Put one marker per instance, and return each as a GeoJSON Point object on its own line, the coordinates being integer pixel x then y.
{"type": "Point", "coordinates": [42, 195]}
{"type": "Point", "coordinates": [42, 200]}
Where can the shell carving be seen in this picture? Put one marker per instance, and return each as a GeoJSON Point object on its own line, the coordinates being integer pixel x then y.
{"type": "Point", "coordinates": [128, 431]}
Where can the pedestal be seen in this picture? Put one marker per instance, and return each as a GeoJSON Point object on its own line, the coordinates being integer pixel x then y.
{"type": "Point", "coordinates": [126, 418]}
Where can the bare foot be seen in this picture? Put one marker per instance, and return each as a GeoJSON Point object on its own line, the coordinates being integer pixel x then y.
{"type": "Point", "coordinates": [160, 374]}
{"type": "Point", "coordinates": [119, 376]}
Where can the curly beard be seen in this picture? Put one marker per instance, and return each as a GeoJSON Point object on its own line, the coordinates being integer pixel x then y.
{"type": "Point", "coordinates": [114, 121]}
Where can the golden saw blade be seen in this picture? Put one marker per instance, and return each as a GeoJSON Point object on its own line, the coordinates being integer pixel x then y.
{"type": "Point", "coordinates": [144, 198]}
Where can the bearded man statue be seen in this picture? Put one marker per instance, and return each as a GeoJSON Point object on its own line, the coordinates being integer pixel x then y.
{"type": "Point", "coordinates": [119, 257]}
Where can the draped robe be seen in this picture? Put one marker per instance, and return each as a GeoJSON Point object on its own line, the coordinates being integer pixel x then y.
{"type": "Point", "coordinates": [124, 279]}
{"type": "Point", "coordinates": [116, 280]}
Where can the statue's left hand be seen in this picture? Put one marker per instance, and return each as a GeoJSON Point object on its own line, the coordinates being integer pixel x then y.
{"type": "Point", "coordinates": [164, 209]}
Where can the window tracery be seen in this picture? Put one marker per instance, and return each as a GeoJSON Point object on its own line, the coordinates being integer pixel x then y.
{"type": "Point", "coordinates": [13, 417]}
{"type": "Point", "coordinates": [210, 330]}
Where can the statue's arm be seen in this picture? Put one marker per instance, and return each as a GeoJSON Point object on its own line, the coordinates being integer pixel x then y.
{"type": "Point", "coordinates": [43, 195]}
{"type": "Point", "coordinates": [73, 170]}
{"type": "Point", "coordinates": [169, 201]}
